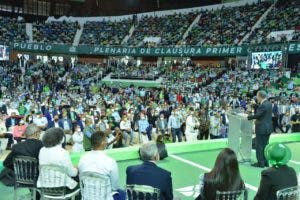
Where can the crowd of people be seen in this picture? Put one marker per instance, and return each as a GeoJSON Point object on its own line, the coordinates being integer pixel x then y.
{"type": "Point", "coordinates": [54, 32]}
{"type": "Point", "coordinates": [225, 26]}
{"type": "Point", "coordinates": [74, 99]}
{"type": "Point", "coordinates": [48, 109]}
{"type": "Point", "coordinates": [105, 32]}
{"type": "Point", "coordinates": [12, 29]}
{"type": "Point", "coordinates": [138, 72]}
{"type": "Point", "coordinates": [284, 16]}
{"type": "Point", "coordinates": [188, 77]}
{"type": "Point", "coordinates": [170, 29]}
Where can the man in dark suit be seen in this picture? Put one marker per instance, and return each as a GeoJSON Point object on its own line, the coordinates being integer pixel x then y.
{"type": "Point", "coordinates": [263, 127]}
{"type": "Point", "coordinates": [149, 173]}
{"type": "Point", "coordinates": [30, 147]}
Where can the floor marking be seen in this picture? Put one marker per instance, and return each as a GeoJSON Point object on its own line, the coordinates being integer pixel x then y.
{"type": "Point", "coordinates": [251, 187]}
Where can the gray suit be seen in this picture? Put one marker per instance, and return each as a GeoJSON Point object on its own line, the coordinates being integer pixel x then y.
{"type": "Point", "coordinates": [263, 129]}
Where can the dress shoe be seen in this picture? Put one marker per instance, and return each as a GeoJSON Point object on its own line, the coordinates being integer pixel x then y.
{"type": "Point", "coordinates": [257, 165]}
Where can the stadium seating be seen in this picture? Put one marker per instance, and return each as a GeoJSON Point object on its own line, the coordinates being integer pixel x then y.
{"type": "Point", "coordinates": [105, 32]}
{"type": "Point", "coordinates": [285, 16]}
{"type": "Point", "coordinates": [12, 29]}
{"type": "Point", "coordinates": [169, 28]}
{"type": "Point", "coordinates": [226, 26]}
{"type": "Point", "coordinates": [54, 32]}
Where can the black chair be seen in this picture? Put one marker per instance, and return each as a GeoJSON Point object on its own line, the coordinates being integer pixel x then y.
{"type": "Point", "coordinates": [142, 192]}
{"type": "Point", "coordinates": [232, 195]}
{"type": "Point", "coordinates": [26, 171]}
{"type": "Point", "coordinates": [290, 193]}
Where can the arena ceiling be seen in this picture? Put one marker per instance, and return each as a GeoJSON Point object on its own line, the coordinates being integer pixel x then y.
{"type": "Point", "coordinates": [97, 7]}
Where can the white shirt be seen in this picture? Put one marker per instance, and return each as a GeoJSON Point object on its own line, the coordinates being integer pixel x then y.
{"type": "Point", "coordinates": [40, 121]}
{"type": "Point", "coordinates": [57, 156]}
{"type": "Point", "coordinates": [60, 157]}
{"type": "Point", "coordinates": [125, 125]}
{"type": "Point", "coordinates": [98, 161]}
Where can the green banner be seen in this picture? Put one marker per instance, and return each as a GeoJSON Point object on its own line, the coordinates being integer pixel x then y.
{"type": "Point", "coordinates": [157, 52]}
{"type": "Point", "coordinates": [294, 48]}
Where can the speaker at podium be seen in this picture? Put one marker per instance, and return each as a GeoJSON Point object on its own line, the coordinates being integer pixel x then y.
{"type": "Point", "coordinates": [240, 135]}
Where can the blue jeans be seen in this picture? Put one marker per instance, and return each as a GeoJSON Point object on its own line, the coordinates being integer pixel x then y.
{"type": "Point", "coordinates": [121, 195]}
{"type": "Point", "coordinates": [176, 132]}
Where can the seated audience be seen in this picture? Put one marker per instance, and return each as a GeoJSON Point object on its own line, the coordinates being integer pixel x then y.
{"type": "Point", "coordinates": [284, 16]}
{"type": "Point", "coordinates": [97, 161]}
{"type": "Point", "coordinates": [61, 32]}
{"type": "Point", "coordinates": [148, 173]}
{"type": "Point", "coordinates": [12, 29]}
{"type": "Point", "coordinates": [225, 176]}
{"type": "Point", "coordinates": [105, 32]}
{"type": "Point", "coordinates": [228, 25]}
{"type": "Point", "coordinates": [30, 147]}
{"type": "Point", "coordinates": [169, 29]}
{"type": "Point", "coordinates": [279, 175]}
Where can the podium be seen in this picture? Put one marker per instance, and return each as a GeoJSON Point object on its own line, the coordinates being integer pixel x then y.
{"type": "Point", "coordinates": [240, 136]}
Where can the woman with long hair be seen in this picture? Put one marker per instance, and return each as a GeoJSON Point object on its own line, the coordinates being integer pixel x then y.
{"type": "Point", "coordinates": [225, 176]}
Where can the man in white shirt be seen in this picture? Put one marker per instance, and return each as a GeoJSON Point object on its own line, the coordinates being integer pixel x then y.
{"type": "Point", "coordinates": [40, 121]}
{"type": "Point", "coordinates": [125, 126]}
{"type": "Point", "coordinates": [97, 161]}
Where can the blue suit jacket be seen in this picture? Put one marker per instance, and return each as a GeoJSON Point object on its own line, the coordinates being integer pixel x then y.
{"type": "Point", "coordinates": [150, 174]}
{"type": "Point", "coordinates": [61, 123]}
